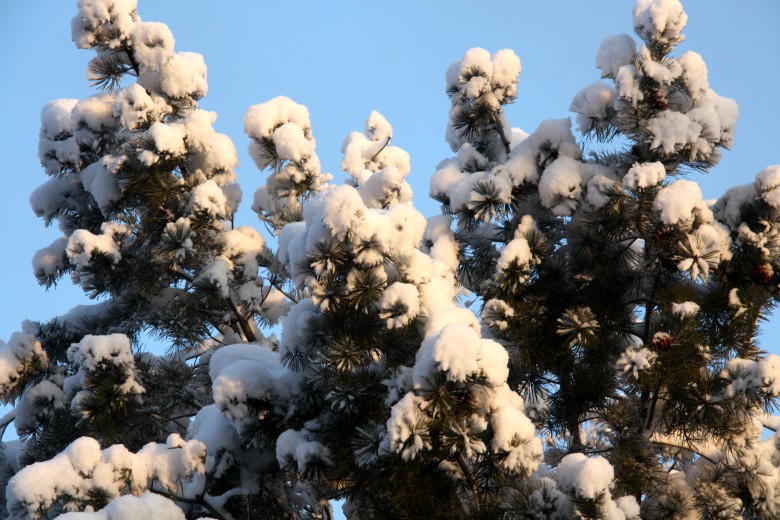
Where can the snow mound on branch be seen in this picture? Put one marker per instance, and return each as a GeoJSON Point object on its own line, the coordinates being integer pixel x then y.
{"type": "Point", "coordinates": [644, 175]}
{"type": "Point", "coordinates": [677, 202]}
{"type": "Point", "coordinates": [21, 353]}
{"type": "Point", "coordinates": [660, 21]}
{"type": "Point", "coordinates": [82, 468]}
{"type": "Point", "coordinates": [241, 373]}
{"type": "Point", "coordinates": [129, 507]}
{"type": "Point", "coordinates": [588, 477]}
{"type": "Point", "coordinates": [614, 52]}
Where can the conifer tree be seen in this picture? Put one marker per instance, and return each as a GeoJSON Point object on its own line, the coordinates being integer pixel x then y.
{"type": "Point", "coordinates": [612, 373]}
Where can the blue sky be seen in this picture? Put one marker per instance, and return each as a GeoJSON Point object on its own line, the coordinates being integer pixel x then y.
{"type": "Point", "coordinates": [344, 59]}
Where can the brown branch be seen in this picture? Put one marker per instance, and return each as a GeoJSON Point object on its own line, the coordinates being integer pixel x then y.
{"type": "Point", "coordinates": [464, 467]}
{"type": "Point", "coordinates": [198, 501]}
{"type": "Point", "coordinates": [387, 141]}
{"type": "Point", "coordinates": [501, 133]}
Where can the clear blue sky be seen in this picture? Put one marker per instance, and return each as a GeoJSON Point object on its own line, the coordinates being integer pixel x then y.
{"type": "Point", "coordinates": [344, 59]}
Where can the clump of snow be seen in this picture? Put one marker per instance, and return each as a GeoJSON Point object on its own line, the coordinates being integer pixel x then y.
{"type": "Point", "coordinates": [628, 84]}
{"type": "Point", "coordinates": [135, 107]}
{"type": "Point", "coordinates": [685, 309]}
{"type": "Point", "coordinates": [614, 52]}
{"type": "Point", "coordinates": [184, 76]}
{"type": "Point", "coordinates": [644, 175]}
{"type": "Point", "coordinates": [82, 469]}
{"type": "Point", "coordinates": [561, 186]}
{"type": "Point", "coordinates": [208, 197]}
{"type": "Point", "coordinates": [660, 21]}
{"type": "Point", "coordinates": [677, 202]}
{"type": "Point", "coordinates": [57, 148]}
{"type": "Point", "coordinates": [694, 74]}
{"type": "Point", "coordinates": [587, 477]}
{"type": "Point", "coordinates": [129, 507]}
{"type": "Point", "coordinates": [592, 104]}
{"type": "Point", "coordinates": [663, 73]}
{"type": "Point", "coordinates": [634, 360]}
{"type": "Point", "coordinates": [103, 21]}
{"type": "Point", "coordinates": [746, 375]}
{"type": "Point", "coordinates": [293, 446]}
{"type": "Point", "coordinates": [152, 44]}
{"type": "Point", "coordinates": [82, 244]}
{"type": "Point", "coordinates": [767, 184]}
{"type": "Point", "coordinates": [250, 373]}
{"type": "Point", "coordinates": [399, 304]}
{"type": "Point", "coordinates": [404, 431]}
{"type": "Point", "coordinates": [22, 353]}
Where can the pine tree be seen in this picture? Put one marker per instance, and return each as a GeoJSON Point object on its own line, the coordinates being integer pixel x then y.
{"type": "Point", "coordinates": [613, 371]}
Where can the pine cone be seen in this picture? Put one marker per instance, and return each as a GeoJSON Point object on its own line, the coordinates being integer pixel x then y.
{"type": "Point", "coordinates": [763, 273]}
{"type": "Point", "coordinates": [662, 341]}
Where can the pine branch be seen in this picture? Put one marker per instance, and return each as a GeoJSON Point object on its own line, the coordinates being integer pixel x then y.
{"type": "Point", "coordinates": [197, 501]}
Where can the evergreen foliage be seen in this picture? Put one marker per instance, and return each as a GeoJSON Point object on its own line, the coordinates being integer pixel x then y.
{"type": "Point", "coordinates": [613, 372]}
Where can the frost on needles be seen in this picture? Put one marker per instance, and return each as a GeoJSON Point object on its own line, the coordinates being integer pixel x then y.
{"type": "Point", "coordinates": [612, 372]}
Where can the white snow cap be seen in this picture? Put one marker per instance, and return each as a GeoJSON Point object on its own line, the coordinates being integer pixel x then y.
{"type": "Point", "coordinates": [614, 52]}
{"type": "Point", "coordinates": [676, 203]}
{"type": "Point", "coordinates": [588, 477]}
{"type": "Point", "coordinates": [591, 104]}
{"type": "Point", "coordinates": [644, 175]}
{"type": "Point", "coordinates": [660, 21]}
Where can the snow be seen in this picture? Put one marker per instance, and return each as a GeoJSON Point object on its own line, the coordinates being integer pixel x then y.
{"type": "Point", "coordinates": [129, 507]}
{"type": "Point", "coordinates": [99, 182]}
{"type": "Point", "coordinates": [184, 76]}
{"type": "Point", "coordinates": [628, 84]}
{"type": "Point", "coordinates": [694, 74]}
{"type": "Point", "coordinates": [634, 360]}
{"type": "Point", "coordinates": [685, 309]}
{"type": "Point", "coordinates": [21, 353]}
{"type": "Point", "coordinates": [459, 352]}
{"type": "Point", "coordinates": [208, 198]}
{"type": "Point", "coordinates": [94, 113]}
{"type": "Point", "coordinates": [767, 184]}
{"type": "Point", "coordinates": [242, 247]}
{"type": "Point", "coordinates": [677, 202]}
{"type": "Point", "coordinates": [168, 139]}
{"type": "Point", "coordinates": [588, 477]}
{"type": "Point", "coordinates": [728, 209]}
{"type": "Point", "coordinates": [217, 275]}
{"type": "Point", "coordinates": [293, 445]}
{"type": "Point", "coordinates": [399, 304]}
{"type": "Point", "coordinates": [82, 244]}
{"type": "Point", "coordinates": [243, 373]}
{"type": "Point", "coordinates": [746, 375]}
{"type": "Point", "coordinates": [663, 73]}
{"type": "Point", "coordinates": [673, 131]}
{"type": "Point", "coordinates": [135, 107]}
{"type": "Point", "coordinates": [591, 105]}
{"type": "Point", "coordinates": [516, 251]}
{"type": "Point", "coordinates": [560, 187]}
{"type": "Point", "coordinates": [660, 21]}
{"type": "Point", "coordinates": [56, 146]}
{"type": "Point", "coordinates": [506, 68]}
{"type": "Point", "coordinates": [93, 353]}
{"type": "Point", "coordinates": [614, 52]}
{"type": "Point", "coordinates": [644, 175]}
{"type": "Point", "coordinates": [82, 468]}
{"type": "Point", "coordinates": [261, 120]}
{"type": "Point", "coordinates": [291, 144]}
{"type": "Point", "coordinates": [94, 15]}
{"type": "Point", "coordinates": [209, 151]}
{"type": "Point", "coordinates": [51, 260]}
{"type": "Point", "coordinates": [403, 432]}
{"type": "Point", "coordinates": [152, 44]}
